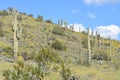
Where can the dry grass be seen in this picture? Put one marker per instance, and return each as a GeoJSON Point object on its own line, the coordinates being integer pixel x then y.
{"type": "Point", "coordinates": [99, 72]}
{"type": "Point", "coordinates": [102, 72]}
{"type": "Point", "coordinates": [4, 66]}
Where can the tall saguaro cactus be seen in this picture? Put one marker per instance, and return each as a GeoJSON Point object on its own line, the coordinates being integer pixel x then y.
{"type": "Point", "coordinates": [15, 31]}
{"type": "Point", "coordinates": [89, 48]}
{"type": "Point", "coordinates": [110, 45]}
{"type": "Point", "coordinates": [96, 45]}
{"type": "Point", "coordinates": [98, 36]}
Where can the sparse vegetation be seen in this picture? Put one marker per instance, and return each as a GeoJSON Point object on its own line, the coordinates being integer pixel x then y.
{"type": "Point", "coordinates": [58, 30]}
{"type": "Point", "coordinates": [59, 45]}
{"type": "Point", "coordinates": [39, 60]}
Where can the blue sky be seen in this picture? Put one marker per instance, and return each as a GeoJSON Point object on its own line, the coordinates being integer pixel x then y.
{"type": "Point", "coordinates": [100, 15]}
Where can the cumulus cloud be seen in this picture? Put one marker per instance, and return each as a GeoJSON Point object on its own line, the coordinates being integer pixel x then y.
{"type": "Point", "coordinates": [112, 31]}
{"type": "Point", "coordinates": [100, 2]}
{"type": "Point", "coordinates": [78, 27]}
{"type": "Point", "coordinates": [106, 31]}
{"type": "Point", "coordinates": [91, 15]}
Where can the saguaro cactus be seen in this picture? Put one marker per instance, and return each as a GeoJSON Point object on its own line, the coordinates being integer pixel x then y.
{"type": "Point", "coordinates": [98, 36]}
{"type": "Point", "coordinates": [89, 48]}
{"type": "Point", "coordinates": [92, 39]}
{"type": "Point", "coordinates": [59, 23]}
{"type": "Point", "coordinates": [72, 27]}
{"type": "Point", "coordinates": [65, 24]}
{"type": "Point", "coordinates": [16, 33]}
{"type": "Point", "coordinates": [110, 45]}
{"type": "Point", "coordinates": [96, 39]}
{"type": "Point", "coordinates": [15, 36]}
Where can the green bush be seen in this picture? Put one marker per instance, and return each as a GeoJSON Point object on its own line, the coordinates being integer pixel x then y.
{"type": "Point", "coordinates": [117, 65]}
{"type": "Point", "coordinates": [8, 51]}
{"type": "Point", "coordinates": [1, 31]}
{"type": "Point", "coordinates": [116, 61]}
{"type": "Point", "coordinates": [65, 72]}
{"type": "Point", "coordinates": [40, 18]}
{"type": "Point", "coordinates": [48, 21]}
{"type": "Point", "coordinates": [57, 44]}
{"type": "Point", "coordinates": [21, 71]}
{"type": "Point", "coordinates": [3, 13]}
{"type": "Point", "coordinates": [47, 54]}
{"type": "Point", "coordinates": [58, 30]}
{"type": "Point", "coordinates": [101, 54]}
{"type": "Point", "coordinates": [85, 42]}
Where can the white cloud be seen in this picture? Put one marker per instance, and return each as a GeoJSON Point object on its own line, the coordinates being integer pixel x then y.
{"type": "Point", "coordinates": [77, 27]}
{"type": "Point", "coordinates": [91, 15]}
{"type": "Point", "coordinates": [112, 31]}
{"type": "Point", "coordinates": [106, 31]}
{"type": "Point", "coordinates": [100, 2]}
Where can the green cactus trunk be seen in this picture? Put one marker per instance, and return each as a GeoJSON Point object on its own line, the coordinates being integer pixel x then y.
{"type": "Point", "coordinates": [89, 48]}
{"type": "Point", "coordinates": [110, 47]}
{"type": "Point", "coordinates": [15, 38]}
{"type": "Point", "coordinates": [80, 50]}
{"type": "Point", "coordinates": [99, 42]}
{"type": "Point", "coordinates": [96, 40]}
{"type": "Point", "coordinates": [15, 46]}
{"type": "Point", "coordinates": [92, 39]}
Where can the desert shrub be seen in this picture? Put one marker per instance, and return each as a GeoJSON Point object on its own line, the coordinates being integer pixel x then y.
{"type": "Point", "coordinates": [40, 18]}
{"type": "Point", "coordinates": [116, 61]}
{"type": "Point", "coordinates": [101, 55]}
{"type": "Point", "coordinates": [65, 72]}
{"type": "Point", "coordinates": [85, 42]}
{"type": "Point", "coordinates": [58, 30]}
{"type": "Point", "coordinates": [56, 67]}
{"type": "Point", "coordinates": [27, 53]}
{"type": "Point", "coordinates": [116, 65]}
{"type": "Point", "coordinates": [21, 71]}
{"type": "Point", "coordinates": [8, 51]}
{"type": "Point", "coordinates": [48, 21]}
{"type": "Point", "coordinates": [74, 38]}
{"type": "Point", "coordinates": [45, 55]}
{"type": "Point", "coordinates": [1, 31]}
{"type": "Point", "coordinates": [19, 17]}
{"type": "Point", "coordinates": [84, 32]}
{"type": "Point", "coordinates": [3, 13]}
{"type": "Point", "coordinates": [57, 44]}
{"type": "Point", "coordinates": [30, 15]}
